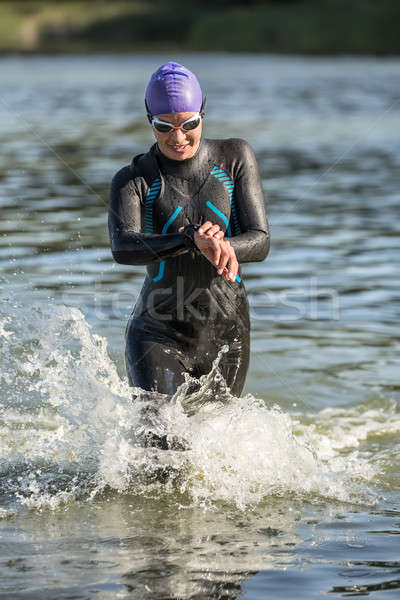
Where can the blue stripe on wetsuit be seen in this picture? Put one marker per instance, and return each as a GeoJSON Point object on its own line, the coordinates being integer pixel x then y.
{"type": "Point", "coordinates": [151, 195]}
{"type": "Point", "coordinates": [230, 187]}
{"type": "Point", "coordinates": [221, 216]}
{"type": "Point", "coordinates": [172, 218]}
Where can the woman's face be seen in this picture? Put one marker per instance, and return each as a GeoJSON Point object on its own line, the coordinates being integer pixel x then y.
{"type": "Point", "coordinates": [178, 144]}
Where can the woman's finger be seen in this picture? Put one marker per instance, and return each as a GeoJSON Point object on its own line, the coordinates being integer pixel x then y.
{"type": "Point", "coordinates": [213, 230]}
{"type": "Point", "coordinates": [217, 252]}
{"type": "Point", "coordinates": [225, 254]}
{"type": "Point", "coordinates": [232, 266]}
{"type": "Point", "coordinates": [205, 227]}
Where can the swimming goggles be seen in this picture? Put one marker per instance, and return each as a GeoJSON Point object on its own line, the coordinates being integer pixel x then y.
{"type": "Point", "coordinates": [165, 127]}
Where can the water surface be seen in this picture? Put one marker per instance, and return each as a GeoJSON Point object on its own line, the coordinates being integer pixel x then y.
{"type": "Point", "coordinates": [290, 491]}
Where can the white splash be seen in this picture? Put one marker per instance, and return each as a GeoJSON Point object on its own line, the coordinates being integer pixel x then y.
{"type": "Point", "coordinates": [70, 430]}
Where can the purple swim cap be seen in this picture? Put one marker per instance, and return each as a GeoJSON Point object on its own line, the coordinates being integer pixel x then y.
{"type": "Point", "coordinates": [173, 89]}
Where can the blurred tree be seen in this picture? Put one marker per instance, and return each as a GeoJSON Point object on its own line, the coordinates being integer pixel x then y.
{"type": "Point", "coordinates": [303, 26]}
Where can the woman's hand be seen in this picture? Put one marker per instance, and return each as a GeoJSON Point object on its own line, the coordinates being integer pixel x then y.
{"type": "Point", "coordinates": [209, 240]}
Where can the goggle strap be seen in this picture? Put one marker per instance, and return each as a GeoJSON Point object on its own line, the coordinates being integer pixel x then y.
{"type": "Point", "coordinates": [149, 116]}
{"type": "Point", "coordinates": [203, 105]}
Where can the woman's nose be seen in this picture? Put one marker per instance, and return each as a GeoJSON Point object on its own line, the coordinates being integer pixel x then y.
{"type": "Point", "coordinates": [178, 135]}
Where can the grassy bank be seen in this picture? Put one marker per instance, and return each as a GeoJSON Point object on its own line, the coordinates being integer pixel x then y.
{"type": "Point", "coordinates": [295, 26]}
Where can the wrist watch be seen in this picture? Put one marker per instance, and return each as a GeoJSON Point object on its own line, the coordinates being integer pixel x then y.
{"type": "Point", "coordinates": [188, 232]}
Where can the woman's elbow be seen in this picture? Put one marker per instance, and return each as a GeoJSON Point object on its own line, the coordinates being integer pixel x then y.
{"type": "Point", "coordinates": [122, 254]}
{"type": "Point", "coordinates": [120, 257]}
{"type": "Point", "coordinates": [129, 257]}
{"type": "Point", "coordinates": [265, 246]}
{"type": "Point", "coordinates": [262, 246]}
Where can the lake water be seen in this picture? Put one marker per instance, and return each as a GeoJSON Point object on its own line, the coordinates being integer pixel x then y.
{"type": "Point", "coordinates": [291, 491]}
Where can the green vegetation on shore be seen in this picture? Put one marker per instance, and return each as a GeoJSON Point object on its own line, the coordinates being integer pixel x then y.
{"type": "Point", "coordinates": [289, 26]}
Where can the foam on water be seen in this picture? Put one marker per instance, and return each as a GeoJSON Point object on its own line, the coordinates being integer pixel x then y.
{"type": "Point", "coordinates": [70, 430]}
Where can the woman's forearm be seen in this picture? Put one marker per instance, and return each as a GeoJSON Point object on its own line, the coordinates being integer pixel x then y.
{"type": "Point", "coordinates": [131, 248]}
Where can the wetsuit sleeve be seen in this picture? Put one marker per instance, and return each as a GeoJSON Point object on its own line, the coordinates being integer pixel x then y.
{"type": "Point", "coordinates": [252, 244]}
{"type": "Point", "coordinates": [129, 245]}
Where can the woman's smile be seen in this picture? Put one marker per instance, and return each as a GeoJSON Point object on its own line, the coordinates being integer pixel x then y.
{"type": "Point", "coordinates": [178, 144]}
{"type": "Point", "coordinates": [181, 148]}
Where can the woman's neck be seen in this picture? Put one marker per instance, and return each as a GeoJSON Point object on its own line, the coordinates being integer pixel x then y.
{"type": "Point", "coordinates": [181, 168]}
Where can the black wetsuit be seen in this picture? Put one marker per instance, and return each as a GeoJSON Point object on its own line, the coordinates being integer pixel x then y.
{"type": "Point", "coordinates": [186, 312]}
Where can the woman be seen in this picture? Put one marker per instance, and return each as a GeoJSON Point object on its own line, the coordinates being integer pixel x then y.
{"type": "Point", "coordinates": [191, 209]}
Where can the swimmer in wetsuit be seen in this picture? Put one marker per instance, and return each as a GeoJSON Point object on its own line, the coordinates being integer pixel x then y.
{"type": "Point", "coordinates": [191, 210]}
